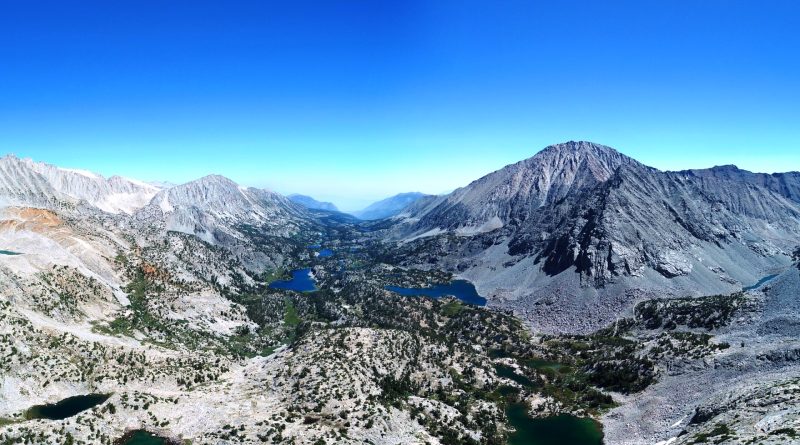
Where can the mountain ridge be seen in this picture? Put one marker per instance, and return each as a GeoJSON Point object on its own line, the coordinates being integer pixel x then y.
{"type": "Point", "coordinates": [390, 206]}
{"type": "Point", "coordinates": [311, 203]}
{"type": "Point", "coordinates": [212, 206]}
{"type": "Point", "coordinates": [52, 184]}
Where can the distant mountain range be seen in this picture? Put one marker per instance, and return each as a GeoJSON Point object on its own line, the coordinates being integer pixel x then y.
{"type": "Point", "coordinates": [311, 203]}
{"type": "Point", "coordinates": [385, 208]}
{"type": "Point", "coordinates": [390, 206]}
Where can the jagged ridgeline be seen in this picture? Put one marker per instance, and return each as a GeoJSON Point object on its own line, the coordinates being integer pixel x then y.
{"type": "Point", "coordinates": [623, 304]}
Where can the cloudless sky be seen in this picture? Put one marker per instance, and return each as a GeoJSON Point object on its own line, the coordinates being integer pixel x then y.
{"type": "Point", "coordinates": [351, 101]}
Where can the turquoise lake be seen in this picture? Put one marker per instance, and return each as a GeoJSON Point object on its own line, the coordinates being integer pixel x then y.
{"type": "Point", "coordinates": [759, 283]}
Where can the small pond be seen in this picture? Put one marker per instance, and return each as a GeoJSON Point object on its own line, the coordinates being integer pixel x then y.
{"type": "Point", "coordinates": [461, 289]}
{"type": "Point", "coordinates": [301, 281]}
{"type": "Point", "coordinates": [325, 253]}
{"type": "Point", "coordinates": [563, 429]}
{"type": "Point", "coordinates": [142, 437]}
{"type": "Point", "coordinates": [760, 282]}
{"type": "Point", "coordinates": [66, 408]}
{"type": "Point", "coordinates": [8, 252]}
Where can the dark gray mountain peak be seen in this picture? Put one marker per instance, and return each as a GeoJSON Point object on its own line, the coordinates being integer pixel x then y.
{"type": "Point", "coordinates": [578, 146]}
{"type": "Point", "coordinates": [516, 192]}
{"type": "Point", "coordinates": [580, 150]}
{"type": "Point", "coordinates": [726, 167]}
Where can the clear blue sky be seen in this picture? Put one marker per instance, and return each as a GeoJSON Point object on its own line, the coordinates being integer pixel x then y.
{"type": "Point", "coordinates": [354, 100]}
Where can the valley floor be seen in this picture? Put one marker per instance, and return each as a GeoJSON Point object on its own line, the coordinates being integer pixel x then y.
{"type": "Point", "coordinates": [191, 344]}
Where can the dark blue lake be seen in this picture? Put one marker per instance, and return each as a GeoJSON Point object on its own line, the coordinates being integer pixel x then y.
{"type": "Point", "coordinates": [760, 282]}
{"type": "Point", "coordinates": [142, 437]}
{"type": "Point", "coordinates": [66, 408]}
{"type": "Point", "coordinates": [325, 253]}
{"type": "Point", "coordinates": [461, 289]}
{"type": "Point", "coordinates": [301, 282]}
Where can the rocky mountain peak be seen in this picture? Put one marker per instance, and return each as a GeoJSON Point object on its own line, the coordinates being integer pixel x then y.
{"type": "Point", "coordinates": [566, 161]}
{"type": "Point", "coordinates": [579, 146]}
{"type": "Point", "coordinates": [214, 180]}
{"type": "Point", "coordinates": [514, 193]}
{"type": "Point", "coordinates": [212, 192]}
{"type": "Point", "coordinates": [726, 167]}
{"type": "Point", "coordinates": [213, 206]}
